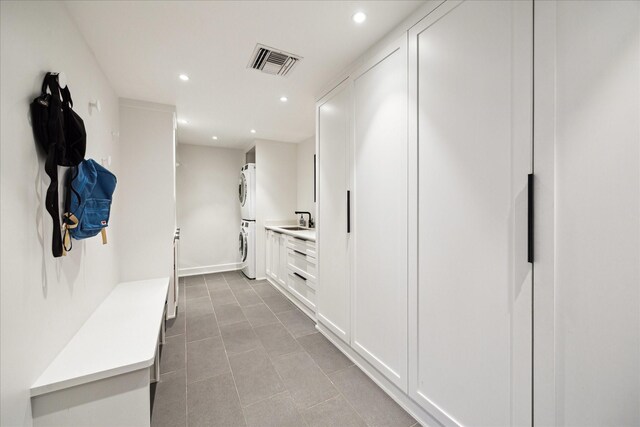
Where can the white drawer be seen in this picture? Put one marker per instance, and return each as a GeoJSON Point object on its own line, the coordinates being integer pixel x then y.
{"type": "Point", "coordinates": [307, 247]}
{"type": "Point", "coordinates": [302, 264]}
{"type": "Point", "coordinates": [300, 288]}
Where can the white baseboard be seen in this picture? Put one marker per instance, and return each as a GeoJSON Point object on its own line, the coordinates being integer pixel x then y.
{"type": "Point", "coordinates": [207, 269]}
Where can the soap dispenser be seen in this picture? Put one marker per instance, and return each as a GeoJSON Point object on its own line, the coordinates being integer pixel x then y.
{"type": "Point", "coordinates": [301, 221]}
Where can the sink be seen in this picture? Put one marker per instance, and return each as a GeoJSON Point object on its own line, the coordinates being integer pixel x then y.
{"type": "Point", "coordinates": [294, 228]}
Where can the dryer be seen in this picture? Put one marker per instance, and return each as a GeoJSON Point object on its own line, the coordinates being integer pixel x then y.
{"type": "Point", "coordinates": [247, 247]}
{"type": "Point", "coordinates": [247, 192]}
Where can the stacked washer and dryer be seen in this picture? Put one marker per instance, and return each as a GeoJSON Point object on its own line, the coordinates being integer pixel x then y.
{"type": "Point", "coordinates": [247, 195]}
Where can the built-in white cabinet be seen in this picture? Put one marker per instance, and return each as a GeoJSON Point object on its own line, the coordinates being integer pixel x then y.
{"type": "Point", "coordinates": [424, 152]}
{"type": "Point", "coordinates": [292, 268]}
{"type": "Point", "coordinates": [430, 152]}
{"type": "Point", "coordinates": [333, 133]}
{"type": "Point", "coordinates": [362, 219]}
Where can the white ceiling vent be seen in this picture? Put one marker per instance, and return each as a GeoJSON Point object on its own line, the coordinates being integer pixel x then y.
{"type": "Point", "coordinates": [272, 61]}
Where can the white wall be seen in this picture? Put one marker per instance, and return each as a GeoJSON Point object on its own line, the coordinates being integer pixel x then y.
{"type": "Point", "coordinates": [147, 141]}
{"type": "Point", "coordinates": [276, 190]}
{"type": "Point", "coordinates": [305, 151]}
{"type": "Point", "coordinates": [44, 301]}
{"type": "Point", "coordinates": [208, 208]}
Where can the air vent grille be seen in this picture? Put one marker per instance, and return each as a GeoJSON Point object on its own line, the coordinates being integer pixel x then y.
{"type": "Point", "coordinates": [272, 61]}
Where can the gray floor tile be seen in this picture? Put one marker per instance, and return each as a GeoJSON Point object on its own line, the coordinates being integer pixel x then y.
{"type": "Point", "coordinates": [222, 296]}
{"type": "Point", "coordinates": [333, 412]}
{"type": "Point", "coordinates": [201, 327]}
{"type": "Point", "coordinates": [239, 337]}
{"type": "Point", "coordinates": [278, 303]}
{"type": "Point", "coordinates": [297, 323]}
{"type": "Point", "coordinates": [277, 411]}
{"type": "Point", "coordinates": [170, 414]}
{"type": "Point", "coordinates": [238, 284]}
{"type": "Point", "coordinates": [229, 313]}
{"type": "Point", "coordinates": [171, 387]}
{"type": "Point", "coordinates": [276, 339]}
{"type": "Point", "coordinates": [217, 285]}
{"type": "Point", "coordinates": [246, 296]}
{"type": "Point", "coordinates": [193, 280]}
{"type": "Point", "coordinates": [240, 278]}
{"type": "Point", "coordinates": [176, 326]}
{"type": "Point", "coordinates": [255, 376]}
{"type": "Point", "coordinates": [233, 274]}
{"type": "Point", "coordinates": [259, 315]}
{"type": "Point", "coordinates": [172, 357]}
{"type": "Point", "coordinates": [196, 291]}
{"type": "Point", "coordinates": [205, 359]}
{"type": "Point", "coordinates": [198, 307]}
{"type": "Point", "coordinates": [214, 402]}
{"type": "Point", "coordinates": [373, 404]}
{"type": "Point", "coordinates": [325, 354]}
{"type": "Point", "coordinates": [307, 384]}
{"type": "Point", "coordinates": [265, 290]}
{"type": "Point", "coordinates": [211, 277]}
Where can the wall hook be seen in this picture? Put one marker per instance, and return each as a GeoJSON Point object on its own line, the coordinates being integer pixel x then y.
{"type": "Point", "coordinates": [96, 105]}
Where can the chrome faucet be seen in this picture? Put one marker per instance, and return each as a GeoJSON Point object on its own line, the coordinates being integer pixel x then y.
{"type": "Point", "coordinates": [302, 223]}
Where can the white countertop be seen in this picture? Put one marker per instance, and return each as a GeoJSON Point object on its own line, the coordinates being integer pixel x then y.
{"type": "Point", "coordinates": [307, 234]}
{"type": "Point", "coordinates": [119, 337]}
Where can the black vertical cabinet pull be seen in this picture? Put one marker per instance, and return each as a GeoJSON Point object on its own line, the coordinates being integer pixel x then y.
{"type": "Point", "coordinates": [348, 211]}
{"type": "Point", "coordinates": [530, 218]}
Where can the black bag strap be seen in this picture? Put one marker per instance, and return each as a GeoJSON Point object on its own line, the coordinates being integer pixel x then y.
{"type": "Point", "coordinates": [68, 219]}
{"type": "Point", "coordinates": [66, 97]}
{"type": "Point", "coordinates": [51, 163]}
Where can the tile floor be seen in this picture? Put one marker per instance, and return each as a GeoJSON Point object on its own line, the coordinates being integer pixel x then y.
{"type": "Point", "coordinates": [240, 354]}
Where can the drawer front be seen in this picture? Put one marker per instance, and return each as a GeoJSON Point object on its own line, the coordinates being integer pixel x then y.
{"type": "Point", "coordinates": [301, 290]}
{"type": "Point", "coordinates": [307, 247]}
{"type": "Point", "coordinates": [302, 264]}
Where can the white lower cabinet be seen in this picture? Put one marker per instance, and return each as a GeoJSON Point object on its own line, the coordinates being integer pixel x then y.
{"type": "Point", "coordinates": [292, 267]}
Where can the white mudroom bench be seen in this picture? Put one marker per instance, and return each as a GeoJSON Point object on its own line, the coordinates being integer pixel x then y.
{"type": "Point", "coordinates": [102, 376]}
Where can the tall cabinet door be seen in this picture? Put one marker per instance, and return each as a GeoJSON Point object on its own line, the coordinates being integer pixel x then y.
{"type": "Point", "coordinates": [333, 133]}
{"type": "Point", "coordinates": [471, 73]}
{"type": "Point", "coordinates": [379, 213]}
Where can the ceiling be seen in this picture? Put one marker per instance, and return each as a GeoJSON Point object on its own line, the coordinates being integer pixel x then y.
{"type": "Point", "coordinates": [143, 46]}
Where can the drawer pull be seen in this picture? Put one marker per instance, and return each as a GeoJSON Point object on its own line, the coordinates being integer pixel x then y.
{"type": "Point", "coordinates": [303, 278]}
{"type": "Point", "coordinates": [298, 252]}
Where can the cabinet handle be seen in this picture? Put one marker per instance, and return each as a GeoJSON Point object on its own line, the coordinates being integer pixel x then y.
{"type": "Point", "coordinates": [530, 218]}
{"type": "Point", "coordinates": [298, 252]}
{"type": "Point", "coordinates": [303, 278]}
{"type": "Point", "coordinates": [348, 211]}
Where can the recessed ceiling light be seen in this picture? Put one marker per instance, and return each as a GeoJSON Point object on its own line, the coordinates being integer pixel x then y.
{"type": "Point", "coordinates": [253, 131]}
{"type": "Point", "coordinates": [214, 137]}
{"type": "Point", "coordinates": [284, 99]}
{"type": "Point", "coordinates": [359, 17]}
{"type": "Point", "coordinates": [184, 77]}
{"type": "Point", "coordinates": [183, 121]}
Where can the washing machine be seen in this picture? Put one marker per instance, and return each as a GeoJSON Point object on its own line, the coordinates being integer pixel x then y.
{"type": "Point", "coordinates": [247, 192]}
{"type": "Point", "coordinates": [248, 248]}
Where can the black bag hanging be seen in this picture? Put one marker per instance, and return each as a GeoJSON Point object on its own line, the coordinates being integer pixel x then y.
{"type": "Point", "coordinates": [61, 134]}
